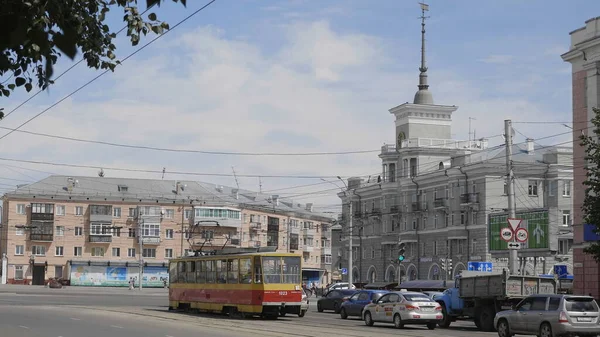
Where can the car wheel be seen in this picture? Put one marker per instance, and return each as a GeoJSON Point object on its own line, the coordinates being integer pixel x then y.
{"type": "Point", "coordinates": [398, 322]}
{"type": "Point", "coordinates": [503, 329]}
{"type": "Point", "coordinates": [302, 313]}
{"type": "Point", "coordinates": [368, 319]}
{"type": "Point", "coordinates": [446, 320]}
{"type": "Point", "coordinates": [545, 330]}
{"type": "Point", "coordinates": [336, 308]}
{"type": "Point", "coordinates": [343, 313]}
{"type": "Point", "coordinates": [431, 326]}
{"type": "Point", "coordinates": [319, 307]}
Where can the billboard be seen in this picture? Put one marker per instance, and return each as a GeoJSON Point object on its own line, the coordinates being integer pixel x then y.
{"type": "Point", "coordinates": [118, 276]}
{"type": "Point", "coordinates": [535, 222]}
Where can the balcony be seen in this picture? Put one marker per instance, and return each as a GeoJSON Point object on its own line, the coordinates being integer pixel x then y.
{"type": "Point", "coordinates": [307, 249]}
{"type": "Point", "coordinates": [294, 230]}
{"type": "Point", "coordinates": [326, 251]}
{"type": "Point", "coordinates": [255, 226]}
{"type": "Point", "coordinates": [41, 237]}
{"type": "Point", "coordinates": [308, 231]}
{"type": "Point", "coordinates": [444, 143]}
{"type": "Point", "coordinates": [394, 209]}
{"type": "Point", "coordinates": [440, 203]}
{"type": "Point", "coordinates": [150, 240]}
{"type": "Point", "coordinates": [375, 212]}
{"type": "Point", "coordinates": [100, 238]}
{"type": "Point", "coordinates": [326, 234]}
{"type": "Point", "coordinates": [101, 213]}
{"type": "Point", "coordinates": [469, 198]}
{"type": "Point", "coordinates": [42, 217]}
{"type": "Point", "coordinates": [419, 207]}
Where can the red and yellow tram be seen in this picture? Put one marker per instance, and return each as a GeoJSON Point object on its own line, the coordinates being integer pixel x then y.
{"type": "Point", "coordinates": [238, 281]}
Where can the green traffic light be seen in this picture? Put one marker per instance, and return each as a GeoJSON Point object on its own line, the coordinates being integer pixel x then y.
{"type": "Point", "coordinates": [401, 258]}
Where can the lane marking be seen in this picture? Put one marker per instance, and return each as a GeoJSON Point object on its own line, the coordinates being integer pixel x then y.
{"type": "Point", "coordinates": [168, 336]}
{"type": "Point", "coordinates": [76, 319]}
{"type": "Point", "coordinates": [116, 327]}
{"type": "Point", "coordinates": [24, 327]}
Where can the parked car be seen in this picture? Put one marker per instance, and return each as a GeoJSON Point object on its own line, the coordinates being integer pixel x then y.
{"type": "Point", "coordinates": [340, 285]}
{"type": "Point", "coordinates": [354, 305]}
{"type": "Point", "coordinates": [549, 316]}
{"type": "Point", "coordinates": [333, 300]}
{"type": "Point", "coordinates": [403, 308]}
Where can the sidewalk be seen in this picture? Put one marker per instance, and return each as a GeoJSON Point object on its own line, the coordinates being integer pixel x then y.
{"type": "Point", "coordinates": [28, 289]}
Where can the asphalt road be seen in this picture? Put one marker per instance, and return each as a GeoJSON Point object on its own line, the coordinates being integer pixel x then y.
{"type": "Point", "coordinates": [118, 312]}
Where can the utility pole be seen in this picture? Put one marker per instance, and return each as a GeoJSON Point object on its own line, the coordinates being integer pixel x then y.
{"type": "Point", "coordinates": [141, 242]}
{"type": "Point", "coordinates": [182, 226]}
{"type": "Point", "coordinates": [350, 274]}
{"type": "Point", "coordinates": [510, 184]}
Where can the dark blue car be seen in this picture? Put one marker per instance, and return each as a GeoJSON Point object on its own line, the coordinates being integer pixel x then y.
{"type": "Point", "coordinates": [354, 305]}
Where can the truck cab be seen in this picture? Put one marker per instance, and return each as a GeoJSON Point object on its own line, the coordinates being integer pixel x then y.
{"type": "Point", "coordinates": [452, 304]}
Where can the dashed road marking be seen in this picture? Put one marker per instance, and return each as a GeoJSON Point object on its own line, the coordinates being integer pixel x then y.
{"type": "Point", "coordinates": [116, 327]}
{"type": "Point", "coordinates": [76, 319]}
{"type": "Point", "coordinates": [24, 327]}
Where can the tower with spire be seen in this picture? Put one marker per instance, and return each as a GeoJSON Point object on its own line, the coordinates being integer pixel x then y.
{"type": "Point", "coordinates": [422, 118]}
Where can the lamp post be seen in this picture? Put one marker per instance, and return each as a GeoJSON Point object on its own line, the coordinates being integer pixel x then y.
{"type": "Point", "coordinates": [350, 249]}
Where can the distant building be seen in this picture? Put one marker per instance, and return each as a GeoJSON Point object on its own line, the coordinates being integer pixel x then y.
{"type": "Point", "coordinates": [584, 56]}
{"type": "Point", "coordinates": [95, 230]}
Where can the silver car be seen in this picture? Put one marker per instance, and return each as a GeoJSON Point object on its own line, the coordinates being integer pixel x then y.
{"type": "Point", "coordinates": [549, 316]}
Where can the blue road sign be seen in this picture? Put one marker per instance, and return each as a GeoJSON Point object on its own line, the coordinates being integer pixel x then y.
{"type": "Point", "coordinates": [480, 266]}
{"type": "Point", "coordinates": [560, 270]}
{"type": "Point", "coordinates": [344, 271]}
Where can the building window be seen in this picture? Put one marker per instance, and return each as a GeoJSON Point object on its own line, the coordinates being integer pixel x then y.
{"type": "Point", "coordinates": [447, 220]}
{"type": "Point", "coordinates": [392, 173]}
{"type": "Point", "coordinates": [21, 209]}
{"type": "Point", "coordinates": [566, 218]}
{"type": "Point", "coordinates": [451, 190]}
{"type": "Point", "coordinates": [461, 246]}
{"type": "Point", "coordinates": [117, 212]}
{"type": "Point", "coordinates": [435, 221]}
{"type": "Point", "coordinates": [149, 252]}
{"type": "Point", "coordinates": [168, 253]}
{"type": "Point", "coordinates": [187, 214]}
{"type": "Point", "coordinates": [132, 212]}
{"type": "Point", "coordinates": [566, 188]}
{"type": "Point", "coordinates": [18, 272]}
{"type": "Point", "coordinates": [19, 250]}
{"type": "Point", "coordinates": [130, 252]}
{"type": "Point", "coordinates": [505, 191]}
{"type": "Point", "coordinates": [422, 248]}
{"type": "Point", "coordinates": [372, 252]}
{"type": "Point", "coordinates": [78, 231]}
{"type": "Point", "coordinates": [463, 217]}
{"type": "Point", "coordinates": [38, 250]}
{"type": "Point", "coordinates": [60, 230]}
{"type": "Point", "coordinates": [60, 210]}
{"type": "Point", "coordinates": [564, 246]}
{"type": "Point", "coordinates": [425, 221]}
{"type": "Point", "coordinates": [116, 251]}
{"type": "Point", "coordinates": [97, 251]}
{"type": "Point", "coordinates": [414, 224]}
{"type": "Point", "coordinates": [473, 246]}
{"type": "Point", "coordinates": [435, 250]}
{"type": "Point", "coordinates": [77, 251]}
{"type": "Point", "coordinates": [551, 187]}
{"type": "Point", "coordinates": [169, 214]}
{"type": "Point", "coordinates": [151, 229]}
{"type": "Point", "coordinates": [532, 188]}
{"type": "Point", "coordinates": [169, 233]}
{"type": "Point", "coordinates": [132, 232]}
{"type": "Point", "coordinates": [78, 210]}
{"type": "Point", "coordinates": [20, 231]}
{"type": "Point", "coordinates": [58, 251]}
{"type": "Point", "coordinates": [99, 228]}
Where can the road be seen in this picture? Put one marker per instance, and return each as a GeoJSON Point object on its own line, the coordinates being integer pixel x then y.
{"type": "Point", "coordinates": [33, 312]}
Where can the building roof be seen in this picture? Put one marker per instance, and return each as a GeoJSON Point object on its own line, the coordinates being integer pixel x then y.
{"type": "Point", "coordinates": [519, 154]}
{"type": "Point", "coordinates": [159, 191]}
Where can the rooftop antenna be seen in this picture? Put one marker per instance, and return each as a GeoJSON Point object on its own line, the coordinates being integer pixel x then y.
{"type": "Point", "coordinates": [259, 185]}
{"type": "Point", "coordinates": [470, 119]}
{"type": "Point", "coordinates": [163, 173]}
{"type": "Point", "coordinates": [423, 96]}
{"type": "Point", "coordinates": [235, 176]}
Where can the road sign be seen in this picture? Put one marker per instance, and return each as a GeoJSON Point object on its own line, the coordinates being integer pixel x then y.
{"type": "Point", "coordinates": [531, 220]}
{"type": "Point", "coordinates": [344, 271]}
{"type": "Point", "coordinates": [506, 234]}
{"type": "Point", "coordinates": [480, 266]}
{"type": "Point", "coordinates": [514, 223]}
{"type": "Point", "coordinates": [522, 235]}
{"type": "Point", "coordinates": [514, 245]}
{"type": "Point", "coordinates": [560, 270]}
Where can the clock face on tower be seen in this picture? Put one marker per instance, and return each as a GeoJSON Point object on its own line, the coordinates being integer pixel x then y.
{"type": "Point", "coordinates": [401, 137]}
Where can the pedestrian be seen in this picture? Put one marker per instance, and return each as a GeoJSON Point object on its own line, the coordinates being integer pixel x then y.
{"type": "Point", "coordinates": [131, 283]}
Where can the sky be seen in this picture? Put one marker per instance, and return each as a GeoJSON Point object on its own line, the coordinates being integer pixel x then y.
{"type": "Point", "coordinates": [298, 76]}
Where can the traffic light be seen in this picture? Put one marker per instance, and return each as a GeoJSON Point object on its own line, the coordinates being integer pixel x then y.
{"type": "Point", "coordinates": [444, 264]}
{"type": "Point", "coordinates": [401, 251]}
{"type": "Point", "coordinates": [449, 266]}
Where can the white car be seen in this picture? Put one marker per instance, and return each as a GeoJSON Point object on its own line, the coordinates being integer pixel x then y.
{"type": "Point", "coordinates": [303, 304]}
{"type": "Point", "coordinates": [339, 286]}
{"type": "Point", "coordinates": [403, 308]}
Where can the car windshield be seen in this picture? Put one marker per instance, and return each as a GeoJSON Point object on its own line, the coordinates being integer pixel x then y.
{"type": "Point", "coordinates": [377, 296]}
{"type": "Point", "coordinates": [417, 298]}
{"type": "Point", "coordinates": [581, 304]}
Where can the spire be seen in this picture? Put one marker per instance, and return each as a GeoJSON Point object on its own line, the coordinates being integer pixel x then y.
{"type": "Point", "coordinates": [423, 96]}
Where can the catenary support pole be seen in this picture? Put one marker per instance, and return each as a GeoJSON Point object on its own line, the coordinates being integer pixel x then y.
{"type": "Point", "coordinates": [510, 184]}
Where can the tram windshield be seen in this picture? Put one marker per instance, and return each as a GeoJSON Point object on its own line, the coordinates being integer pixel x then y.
{"type": "Point", "coordinates": [278, 269]}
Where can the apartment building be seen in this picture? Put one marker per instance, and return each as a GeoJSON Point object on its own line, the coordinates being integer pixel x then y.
{"type": "Point", "coordinates": [97, 231]}
{"type": "Point", "coordinates": [583, 55]}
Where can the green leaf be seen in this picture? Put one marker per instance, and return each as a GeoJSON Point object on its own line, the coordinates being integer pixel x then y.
{"type": "Point", "coordinates": [183, 2]}
{"type": "Point", "coordinates": [28, 87]}
{"type": "Point", "coordinates": [17, 72]}
{"type": "Point", "coordinates": [11, 86]}
{"type": "Point", "coordinates": [19, 81]}
{"type": "Point", "coordinates": [150, 3]}
{"type": "Point", "coordinates": [5, 92]}
{"type": "Point", "coordinates": [152, 17]}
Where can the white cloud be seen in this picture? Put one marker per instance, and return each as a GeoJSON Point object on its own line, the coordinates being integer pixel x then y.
{"type": "Point", "coordinates": [497, 59]}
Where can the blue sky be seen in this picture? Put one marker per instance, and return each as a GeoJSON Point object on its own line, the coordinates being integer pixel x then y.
{"type": "Point", "coordinates": [301, 76]}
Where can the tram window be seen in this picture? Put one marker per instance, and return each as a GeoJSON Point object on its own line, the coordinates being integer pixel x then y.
{"type": "Point", "coordinates": [173, 272]}
{"type": "Point", "coordinates": [291, 270]}
{"type": "Point", "coordinates": [181, 273]}
{"type": "Point", "coordinates": [232, 271]}
{"type": "Point", "coordinates": [221, 271]}
{"type": "Point", "coordinates": [257, 270]}
{"type": "Point", "coordinates": [200, 271]}
{"type": "Point", "coordinates": [245, 271]}
{"type": "Point", "coordinates": [272, 267]}
{"type": "Point", "coordinates": [191, 267]}
{"type": "Point", "coordinates": [210, 271]}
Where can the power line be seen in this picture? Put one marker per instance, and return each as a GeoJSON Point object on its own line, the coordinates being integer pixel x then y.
{"type": "Point", "coordinates": [62, 74]}
{"type": "Point", "coordinates": [107, 70]}
{"type": "Point", "coordinates": [153, 148]}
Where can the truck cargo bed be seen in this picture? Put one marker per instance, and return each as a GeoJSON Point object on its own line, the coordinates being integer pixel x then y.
{"type": "Point", "coordinates": [501, 285]}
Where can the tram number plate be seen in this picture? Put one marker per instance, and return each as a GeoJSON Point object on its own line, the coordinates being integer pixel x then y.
{"type": "Point", "coordinates": [297, 287]}
{"type": "Point", "coordinates": [283, 293]}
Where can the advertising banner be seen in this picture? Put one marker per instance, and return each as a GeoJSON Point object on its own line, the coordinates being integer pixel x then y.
{"type": "Point", "coordinates": [107, 276]}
